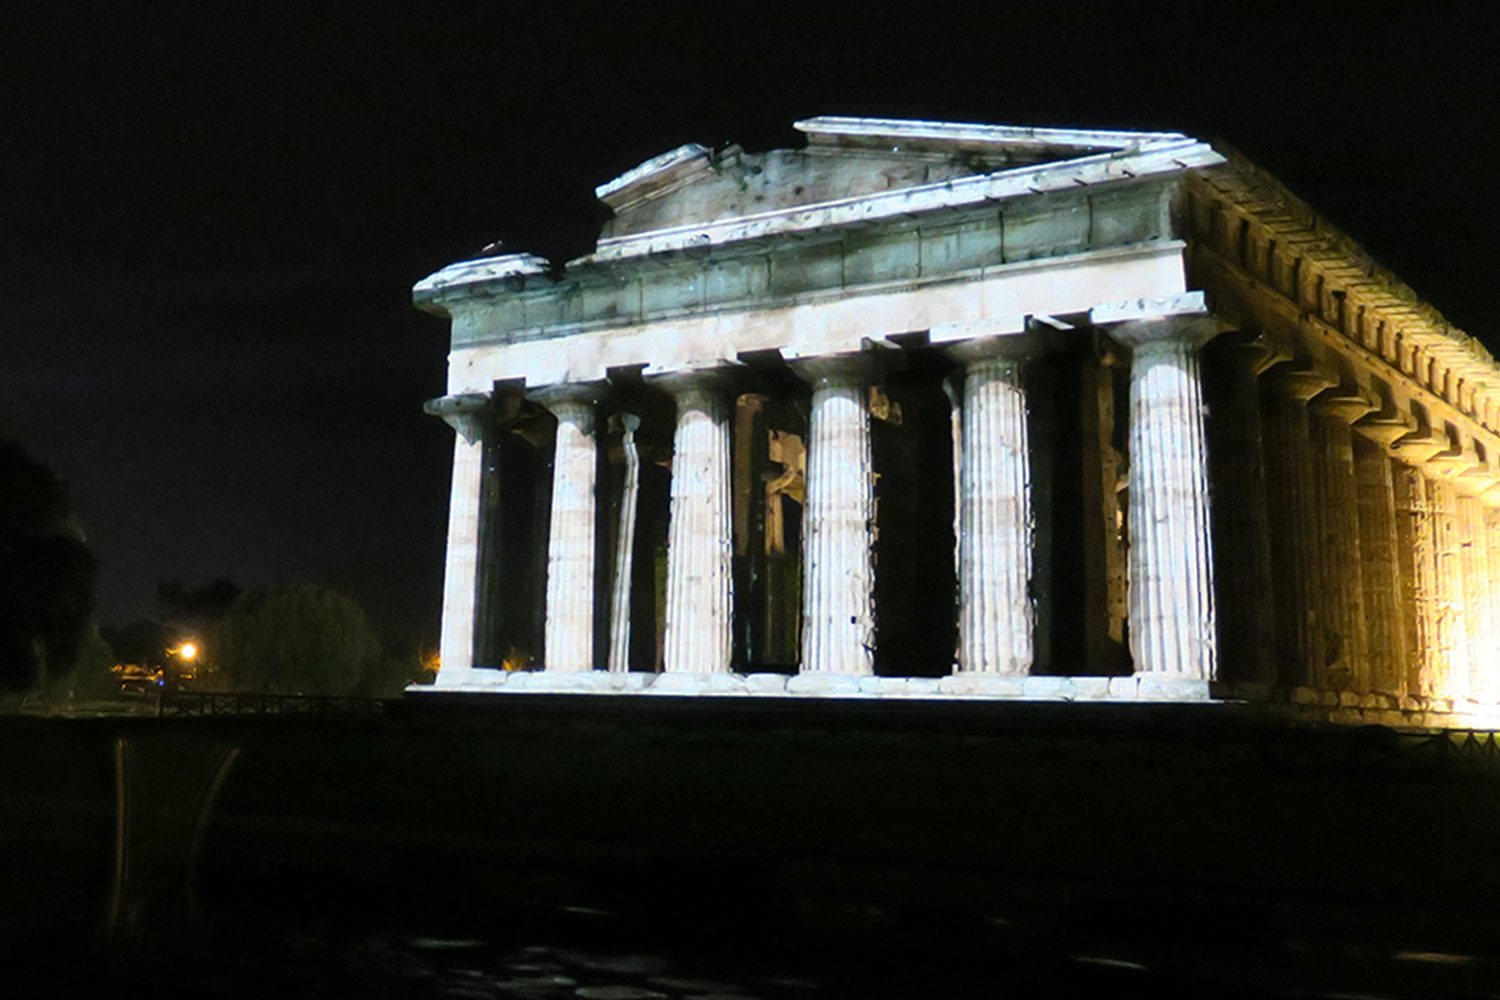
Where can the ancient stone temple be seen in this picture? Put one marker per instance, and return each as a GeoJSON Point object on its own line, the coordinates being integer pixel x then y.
{"type": "Point", "coordinates": [939, 410]}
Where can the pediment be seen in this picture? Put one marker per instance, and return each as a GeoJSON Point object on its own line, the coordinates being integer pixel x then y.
{"type": "Point", "coordinates": [844, 159]}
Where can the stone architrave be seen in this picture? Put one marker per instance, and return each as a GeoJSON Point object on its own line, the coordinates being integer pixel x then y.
{"type": "Point", "coordinates": [1172, 619]}
{"type": "Point", "coordinates": [619, 619]}
{"type": "Point", "coordinates": [699, 613]}
{"type": "Point", "coordinates": [838, 571]}
{"type": "Point", "coordinates": [995, 520]}
{"type": "Point", "coordinates": [569, 642]}
{"type": "Point", "coordinates": [465, 414]}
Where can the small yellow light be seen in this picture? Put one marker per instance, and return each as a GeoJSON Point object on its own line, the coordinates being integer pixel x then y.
{"type": "Point", "coordinates": [188, 651]}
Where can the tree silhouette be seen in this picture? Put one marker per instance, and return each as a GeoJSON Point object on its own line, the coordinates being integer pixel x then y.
{"type": "Point", "coordinates": [297, 639]}
{"type": "Point", "coordinates": [46, 573]}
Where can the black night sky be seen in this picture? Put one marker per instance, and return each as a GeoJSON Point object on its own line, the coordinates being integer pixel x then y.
{"type": "Point", "coordinates": [211, 215]}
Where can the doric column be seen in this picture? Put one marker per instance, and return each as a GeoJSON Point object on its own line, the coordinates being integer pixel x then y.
{"type": "Point", "coordinates": [995, 516]}
{"type": "Point", "coordinates": [1451, 679]}
{"type": "Point", "coordinates": [1296, 544]}
{"type": "Point", "coordinates": [838, 571]}
{"type": "Point", "coordinates": [570, 538]}
{"type": "Point", "coordinates": [1389, 643]}
{"type": "Point", "coordinates": [699, 615]}
{"type": "Point", "coordinates": [1418, 554]}
{"type": "Point", "coordinates": [465, 414]}
{"type": "Point", "coordinates": [1480, 625]}
{"type": "Point", "coordinates": [619, 619]}
{"type": "Point", "coordinates": [1349, 663]}
{"type": "Point", "coordinates": [1172, 627]}
{"type": "Point", "coordinates": [1242, 537]}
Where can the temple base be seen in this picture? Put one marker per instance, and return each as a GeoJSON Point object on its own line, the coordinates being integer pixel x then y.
{"type": "Point", "coordinates": [957, 687]}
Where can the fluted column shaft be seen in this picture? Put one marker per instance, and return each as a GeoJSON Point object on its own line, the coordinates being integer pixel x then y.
{"type": "Point", "coordinates": [619, 619]}
{"type": "Point", "coordinates": [1451, 678]}
{"type": "Point", "coordinates": [838, 606]}
{"type": "Point", "coordinates": [995, 516]}
{"type": "Point", "coordinates": [570, 539]}
{"type": "Point", "coordinates": [461, 564]}
{"type": "Point", "coordinates": [1389, 642]}
{"type": "Point", "coordinates": [1480, 624]}
{"type": "Point", "coordinates": [1417, 551]}
{"type": "Point", "coordinates": [699, 614]}
{"type": "Point", "coordinates": [1348, 665]}
{"type": "Point", "coordinates": [1172, 625]}
{"type": "Point", "coordinates": [1489, 691]}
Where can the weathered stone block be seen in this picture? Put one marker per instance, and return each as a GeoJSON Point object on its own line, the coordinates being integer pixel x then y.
{"type": "Point", "coordinates": [766, 683]}
{"type": "Point", "coordinates": [923, 687]}
{"type": "Point", "coordinates": [1155, 687]}
{"type": "Point", "coordinates": [960, 246]}
{"type": "Point", "coordinates": [670, 290]}
{"type": "Point", "coordinates": [823, 684]}
{"type": "Point", "coordinates": [1048, 688]}
{"type": "Point", "coordinates": [1305, 696]}
{"type": "Point", "coordinates": [811, 267]}
{"type": "Point", "coordinates": [722, 683]}
{"type": "Point", "coordinates": [680, 683]}
{"type": "Point", "coordinates": [1127, 688]}
{"type": "Point", "coordinates": [1091, 688]}
{"type": "Point", "coordinates": [983, 685]}
{"type": "Point", "coordinates": [1133, 215]}
{"type": "Point", "coordinates": [874, 256]}
{"type": "Point", "coordinates": [731, 282]}
{"type": "Point", "coordinates": [1045, 227]}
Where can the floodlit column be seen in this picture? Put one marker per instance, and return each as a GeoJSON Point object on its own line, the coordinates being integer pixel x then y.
{"type": "Point", "coordinates": [1418, 554]}
{"type": "Point", "coordinates": [619, 621]}
{"type": "Point", "coordinates": [1296, 538]}
{"type": "Point", "coordinates": [1452, 681]}
{"type": "Point", "coordinates": [1172, 627]}
{"type": "Point", "coordinates": [1242, 535]}
{"type": "Point", "coordinates": [1480, 624]}
{"type": "Point", "coordinates": [995, 517]}
{"type": "Point", "coordinates": [1348, 653]}
{"type": "Point", "coordinates": [570, 541]}
{"type": "Point", "coordinates": [838, 540]}
{"type": "Point", "coordinates": [699, 543]}
{"type": "Point", "coordinates": [1388, 623]}
{"type": "Point", "coordinates": [465, 414]}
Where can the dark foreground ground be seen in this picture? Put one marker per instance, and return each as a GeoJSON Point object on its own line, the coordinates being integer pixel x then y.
{"type": "Point", "coordinates": [549, 846]}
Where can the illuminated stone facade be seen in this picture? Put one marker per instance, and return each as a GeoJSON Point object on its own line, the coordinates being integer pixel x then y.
{"type": "Point", "coordinates": [918, 410]}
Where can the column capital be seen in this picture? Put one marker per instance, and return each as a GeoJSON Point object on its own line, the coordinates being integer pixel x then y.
{"type": "Point", "coordinates": [1192, 330]}
{"type": "Point", "coordinates": [1019, 346]}
{"type": "Point", "coordinates": [1345, 402]}
{"type": "Point", "coordinates": [843, 369]}
{"type": "Point", "coordinates": [1302, 380]}
{"type": "Point", "coordinates": [464, 412]}
{"type": "Point", "coordinates": [567, 394]}
{"type": "Point", "coordinates": [716, 378]}
{"type": "Point", "coordinates": [1171, 320]}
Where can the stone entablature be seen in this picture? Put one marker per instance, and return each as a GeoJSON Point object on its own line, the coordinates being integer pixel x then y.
{"type": "Point", "coordinates": [1029, 308]}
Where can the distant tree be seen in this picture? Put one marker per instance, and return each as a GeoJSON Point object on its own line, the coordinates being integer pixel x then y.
{"type": "Point", "coordinates": [207, 603]}
{"type": "Point", "coordinates": [144, 642]}
{"type": "Point", "coordinates": [46, 574]}
{"type": "Point", "coordinates": [297, 639]}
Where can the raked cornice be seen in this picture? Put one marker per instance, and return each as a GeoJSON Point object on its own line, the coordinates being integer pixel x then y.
{"type": "Point", "coordinates": [1159, 160]}
{"type": "Point", "coordinates": [1380, 319]}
